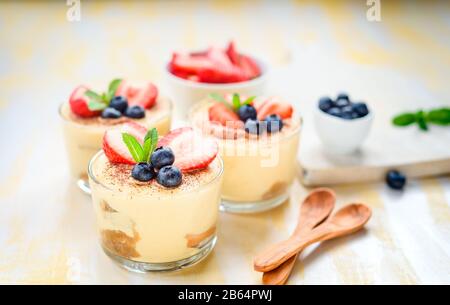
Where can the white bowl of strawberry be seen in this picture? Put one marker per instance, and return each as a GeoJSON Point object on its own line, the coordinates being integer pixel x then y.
{"type": "Point", "coordinates": [192, 76]}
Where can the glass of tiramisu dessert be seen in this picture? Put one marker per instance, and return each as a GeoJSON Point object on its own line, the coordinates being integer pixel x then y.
{"type": "Point", "coordinates": [156, 200]}
{"type": "Point", "coordinates": [258, 141]}
{"type": "Point", "coordinates": [88, 114]}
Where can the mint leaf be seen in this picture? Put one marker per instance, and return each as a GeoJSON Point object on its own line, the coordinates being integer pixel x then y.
{"type": "Point", "coordinates": [218, 97]}
{"type": "Point", "coordinates": [93, 95]}
{"type": "Point", "coordinates": [236, 101]}
{"type": "Point", "coordinates": [404, 119]}
{"type": "Point", "coordinates": [134, 147]}
{"type": "Point", "coordinates": [249, 100]}
{"type": "Point", "coordinates": [105, 98]}
{"type": "Point", "coordinates": [150, 142]}
{"type": "Point", "coordinates": [96, 106]}
{"type": "Point", "coordinates": [112, 88]}
{"type": "Point", "coordinates": [439, 116]}
{"type": "Point", "coordinates": [420, 119]}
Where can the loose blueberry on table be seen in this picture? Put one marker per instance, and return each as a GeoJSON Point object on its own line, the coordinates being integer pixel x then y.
{"type": "Point", "coordinates": [120, 99]}
{"type": "Point", "coordinates": [343, 107]}
{"type": "Point", "coordinates": [175, 155]}
{"type": "Point", "coordinates": [266, 117]}
{"type": "Point", "coordinates": [395, 180]}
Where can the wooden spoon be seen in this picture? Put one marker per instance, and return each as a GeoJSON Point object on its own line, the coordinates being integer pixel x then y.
{"type": "Point", "coordinates": [347, 220]}
{"type": "Point", "coordinates": [316, 207]}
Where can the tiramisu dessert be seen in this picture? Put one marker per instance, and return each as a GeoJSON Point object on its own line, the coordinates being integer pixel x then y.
{"type": "Point", "coordinates": [88, 114]}
{"type": "Point", "coordinates": [156, 201]}
{"type": "Point", "coordinates": [258, 140]}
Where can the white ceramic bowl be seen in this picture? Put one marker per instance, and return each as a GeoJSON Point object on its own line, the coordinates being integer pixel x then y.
{"type": "Point", "coordinates": [186, 93]}
{"type": "Point", "coordinates": [341, 136]}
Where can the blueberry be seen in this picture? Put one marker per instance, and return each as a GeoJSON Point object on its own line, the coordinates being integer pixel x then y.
{"type": "Point", "coordinates": [161, 157]}
{"type": "Point", "coordinates": [347, 113]}
{"type": "Point", "coordinates": [334, 111]}
{"type": "Point", "coordinates": [135, 112]}
{"type": "Point", "coordinates": [343, 96]}
{"type": "Point", "coordinates": [274, 123]}
{"type": "Point", "coordinates": [341, 102]}
{"type": "Point", "coordinates": [395, 180]}
{"type": "Point", "coordinates": [255, 127]}
{"type": "Point", "coordinates": [360, 109]}
{"type": "Point", "coordinates": [169, 176]}
{"type": "Point", "coordinates": [325, 103]}
{"type": "Point", "coordinates": [143, 172]}
{"type": "Point", "coordinates": [119, 103]}
{"type": "Point", "coordinates": [111, 113]}
{"type": "Point", "coordinates": [247, 112]}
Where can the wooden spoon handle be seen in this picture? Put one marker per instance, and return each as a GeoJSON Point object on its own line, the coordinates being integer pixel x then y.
{"type": "Point", "coordinates": [275, 256]}
{"type": "Point", "coordinates": [280, 275]}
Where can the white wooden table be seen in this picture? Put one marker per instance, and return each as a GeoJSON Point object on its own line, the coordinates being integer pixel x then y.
{"type": "Point", "coordinates": [47, 228]}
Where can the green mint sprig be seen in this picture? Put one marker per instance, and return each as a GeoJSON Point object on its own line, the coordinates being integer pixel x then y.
{"type": "Point", "coordinates": [236, 100]}
{"type": "Point", "coordinates": [101, 101]}
{"type": "Point", "coordinates": [439, 116]}
{"type": "Point", "coordinates": [141, 153]}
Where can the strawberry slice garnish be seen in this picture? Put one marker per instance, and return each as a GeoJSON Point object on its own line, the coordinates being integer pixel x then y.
{"type": "Point", "coordinates": [222, 114]}
{"type": "Point", "coordinates": [274, 106]}
{"type": "Point", "coordinates": [114, 147]}
{"type": "Point", "coordinates": [143, 95]}
{"type": "Point", "coordinates": [79, 103]}
{"type": "Point", "coordinates": [192, 150]}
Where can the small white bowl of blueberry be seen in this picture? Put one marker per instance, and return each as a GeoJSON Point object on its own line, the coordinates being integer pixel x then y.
{"type": "Point", "coordinates": [342, 125]}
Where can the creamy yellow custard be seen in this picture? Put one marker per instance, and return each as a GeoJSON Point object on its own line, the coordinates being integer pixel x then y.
{"type": "Point", "coordinates": [258, 170]}
{"type": "Point", "coordinates": [144, 222]}
{"type": "Point", "coordinates": [83, 136]}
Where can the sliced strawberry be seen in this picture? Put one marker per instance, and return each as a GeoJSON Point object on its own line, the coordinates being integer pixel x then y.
{"type": "Point", "coordinates": [192, 150]}
{"type": "Point", "coordinates": [249, 67]}
{"type": "Point", "coordinates": [221, 114]}
{"type": "Point", "coordinates": [219, 57]}
{"type": "Point", "coordinates": [79, 103]}
{"type": "Point", "coordinates": [143, 95]}
{"type": "Point", "coordinates": [187, 64]}
{"type": "Point", "coordinates": [221, 75]}
{"type": "Point", "coordinates": [233, 54]}
{"type": "Point", "coordinates": [223, 70]}
{"type": "Point", "coordinates": [274, 106]}
{"type": "Point", "coordinates": [114, 147]}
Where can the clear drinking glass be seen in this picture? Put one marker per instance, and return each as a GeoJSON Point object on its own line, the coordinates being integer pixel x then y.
{"type": "Point", "coordinates": [258, 170]}
{"type": "Point", "coordinates": [160, 230]}
{"type": "Point", "coordinates": [83, 141]}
